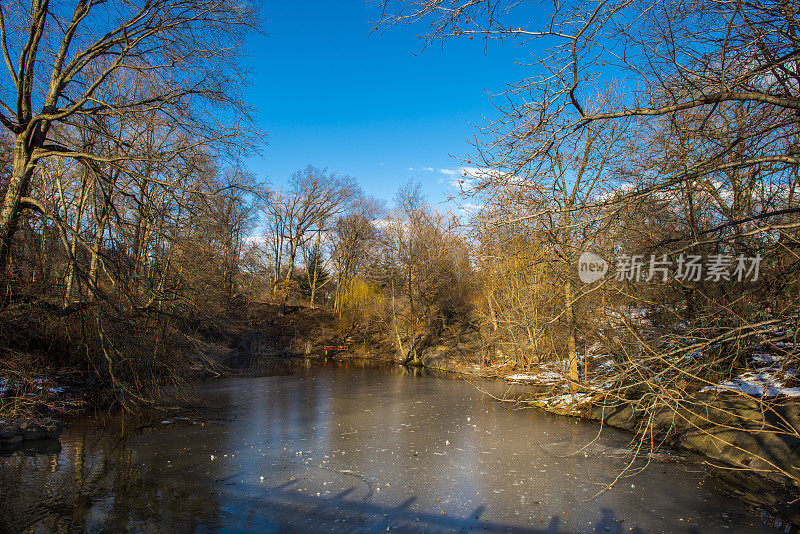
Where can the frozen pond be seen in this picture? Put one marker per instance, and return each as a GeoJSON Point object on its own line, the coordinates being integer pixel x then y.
{"type": "Point", "coordinates": [344, 449]}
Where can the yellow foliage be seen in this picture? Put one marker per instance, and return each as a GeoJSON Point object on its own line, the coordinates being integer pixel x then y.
{"type": "Point", "coordinates": [357, 294]}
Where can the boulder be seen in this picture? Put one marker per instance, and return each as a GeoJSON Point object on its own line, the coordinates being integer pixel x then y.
{"type": "Point", "coordinates": [52, 428]}
{"type": "Point", "coordinates": [619, 416]}
{"type": "Point", "coordinates": [31, 430]}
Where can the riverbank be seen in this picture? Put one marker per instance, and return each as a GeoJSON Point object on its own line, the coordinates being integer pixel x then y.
{"type": "Point", "coordinates": [749, 439]}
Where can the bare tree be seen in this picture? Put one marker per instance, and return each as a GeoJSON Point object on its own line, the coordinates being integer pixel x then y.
{"type": "Point", "coordinates": [354, 238]}
{"type": "Point", "coordinates": [275, 231]}
{"type": "Point", "coordinates": [61, 62]}
{"type": "Point", "coordinates": [317, 263]}
{"type": "Point", "coordinates": [676, 55]}
{"type": "Point", "coordinates": [704, 97]}
{"type": "Point", "coordinates": [313, 197]}
{"type": "Point", "coordinates": [422, 263]}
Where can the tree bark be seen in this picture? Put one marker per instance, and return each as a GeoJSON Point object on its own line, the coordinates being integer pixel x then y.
{"type": "Point", "coordinates": [72, 262]}
{"type": "Point", "coordinates": [572, 355]}
{"type": "Point", "coordinates": [17, 188]}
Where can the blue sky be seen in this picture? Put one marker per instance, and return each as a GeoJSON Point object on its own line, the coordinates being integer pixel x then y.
{"type": "Point", "coordinates": [331, 94]}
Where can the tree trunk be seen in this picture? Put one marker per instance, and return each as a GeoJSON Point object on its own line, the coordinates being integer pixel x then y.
{"type": "Point", "coordinates": [571, 351]}
{"type": "Point", "coordinates": [492, 314]}
{"type": "Point", "coordinates": [278, 252]}
{"type": "Point", "coordinates": [72, 261]}
{"type": "Point", "coordinates": [413, 349]}
{"type": "Point", "coordinates": [400, 347]}
{"type": "Point", "coordinates": [17, 188]}
{"type": "Point", "coordinates": [313, 289]}
{"type": "Point", "coordinates": [95, 252]}
{"type": "Point", "coordinates": [292, 254]}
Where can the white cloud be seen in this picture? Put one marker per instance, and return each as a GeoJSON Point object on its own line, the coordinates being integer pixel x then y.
{"type": "Point", "coordinates": [383, 223]}
{"type": "Point", "coordinates": [257, 240]}
{"type": "Point", "coordinates": [465, 178]}
{"type": "Point", "coordinates": [389, 224]}
{"type": "Point", "coordinates": [620, 190]}
{"type": "Point", "coordinates": [469, 206]}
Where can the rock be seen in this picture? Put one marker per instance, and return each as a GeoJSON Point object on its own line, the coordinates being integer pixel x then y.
{"type": "Point", "coordinates": [52, 428]}
{"type": "Point", "coordinates": [620, 416]}
{"type": "Point", "coordinates": [729, 430]}
{"type": "Point", "coordinates": [696, 441]}
{"type": "Point", "coordinates": [31, 430]}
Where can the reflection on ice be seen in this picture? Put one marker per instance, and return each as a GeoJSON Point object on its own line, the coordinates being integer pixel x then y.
{"type": "Point", "coordinates": [358, 450]}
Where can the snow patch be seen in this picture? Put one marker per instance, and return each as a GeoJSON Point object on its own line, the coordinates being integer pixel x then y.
{"type": "Point", "coordinates": [521, 376]}
{"type": "Point", "coordinates": [761, 383]}
{"type": "Point", "coordinates": [544, 377]}
{"type": "Point", "coordinates": [569, 399]}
